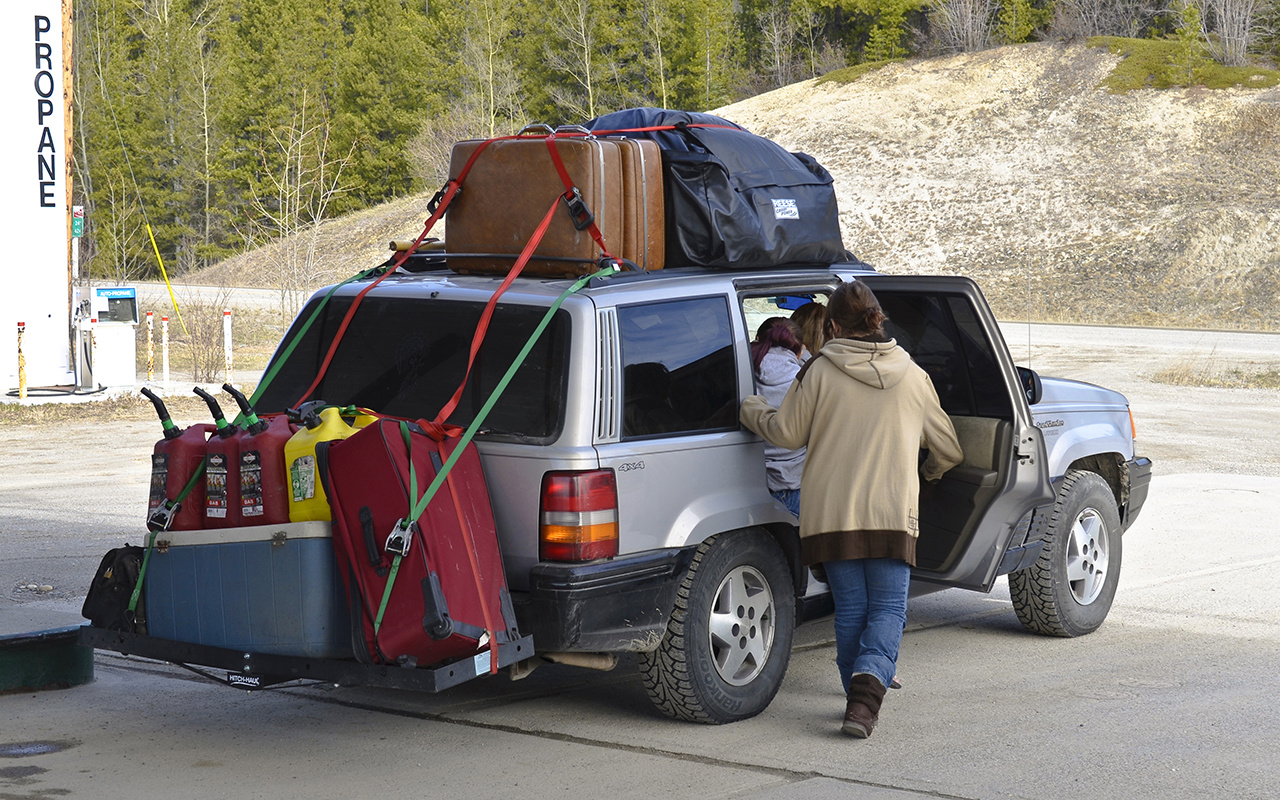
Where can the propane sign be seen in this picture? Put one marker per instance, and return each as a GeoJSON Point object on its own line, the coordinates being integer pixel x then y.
{"type": "Point", "coordinates": [33, 191]}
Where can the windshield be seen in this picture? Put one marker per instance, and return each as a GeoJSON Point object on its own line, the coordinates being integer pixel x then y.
{"type": "Point", "coordinates": [405, 356]}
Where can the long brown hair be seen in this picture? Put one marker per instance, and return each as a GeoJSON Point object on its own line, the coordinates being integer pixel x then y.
{"type": "Point", "coordinates": [856, 310]}
{"type": "Point", "coordinates": [812, 319]}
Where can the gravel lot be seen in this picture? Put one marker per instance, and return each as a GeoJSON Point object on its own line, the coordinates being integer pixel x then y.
{"type": "Point", "coordinates": [70, 491]}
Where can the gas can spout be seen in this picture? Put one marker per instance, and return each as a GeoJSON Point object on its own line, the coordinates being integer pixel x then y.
{"type": "Point", "coordinates": [307, 414]}
{"type": "Point", "coordinates": [171, 431]}
{"type": "Point", "coordinates": [224, 428]}
{"type": "Point", "coordinates": [253, 424]}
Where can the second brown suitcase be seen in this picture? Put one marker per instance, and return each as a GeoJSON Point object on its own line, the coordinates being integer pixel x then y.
{"type": "Point", "coordinates": [513, 182]}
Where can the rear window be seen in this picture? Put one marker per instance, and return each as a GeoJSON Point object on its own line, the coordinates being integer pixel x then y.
{"type": "Point", "coordinates": [406, 356]}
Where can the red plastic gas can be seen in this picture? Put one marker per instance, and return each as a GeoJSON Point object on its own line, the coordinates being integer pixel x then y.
{"type": "Point", "coordinates": [222, 470]}
{"type": "Point", "coordinates": [264, 490]}
{"type": "Point", "coordinates": [173, 461]}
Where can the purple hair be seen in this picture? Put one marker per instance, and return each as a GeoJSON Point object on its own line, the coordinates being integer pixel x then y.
{"type": "Point", "coordinates": [774, 332]}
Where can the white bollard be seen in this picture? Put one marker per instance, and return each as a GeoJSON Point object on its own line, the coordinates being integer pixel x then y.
{"type": "Point", "coordinates": [151, 347]}
{"type": "Point", "coordinates": [226, 341]}
{"type": "Point", "coordinates": [93, 348]}
{"type": "Point", "coordinates": [164, 350]}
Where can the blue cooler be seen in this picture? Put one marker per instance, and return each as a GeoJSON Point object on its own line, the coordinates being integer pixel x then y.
{"type": "Point", "coordinates": [264, 589]}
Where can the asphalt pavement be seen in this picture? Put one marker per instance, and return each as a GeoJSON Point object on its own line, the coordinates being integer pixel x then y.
{"type": "Point", "coordinates": [1175, 696]}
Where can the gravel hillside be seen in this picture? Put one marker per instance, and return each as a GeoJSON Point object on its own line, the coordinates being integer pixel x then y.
{"type": "Point", "coordinates": [1066, 202]}
{"type": "Point", "coordinates": [1013, 167]}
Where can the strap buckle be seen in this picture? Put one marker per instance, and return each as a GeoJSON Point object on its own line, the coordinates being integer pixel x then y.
{"type": "Point", "coordinates": [400, 538]}
{"type": "Point", "coordinates": [438, 197]}
{"type": "Point", "coordinates": [578, 211]}
{"type": "Point", "coordinates": [162, 517]}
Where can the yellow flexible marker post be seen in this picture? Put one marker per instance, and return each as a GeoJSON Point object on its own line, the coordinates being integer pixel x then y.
{"type": "Point", "coordinates": [165, 275]}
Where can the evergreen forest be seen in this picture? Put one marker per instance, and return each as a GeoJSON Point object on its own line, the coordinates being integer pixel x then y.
{"type": "Point", "coordinates": [219, 125]}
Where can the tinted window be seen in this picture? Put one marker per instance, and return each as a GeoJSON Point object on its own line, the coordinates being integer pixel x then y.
{"type": "Point", "coordinates": [944, 337]}
{"type": "Point", "coordinates": [406, 356]}
{"type": "Point", "coordinates": [678, 367]}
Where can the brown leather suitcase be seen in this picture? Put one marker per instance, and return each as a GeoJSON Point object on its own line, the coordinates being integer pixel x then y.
{"type": "Point", "coordinates": [512, 183]}
{"type": "Point", "coordinates": [644, 205]}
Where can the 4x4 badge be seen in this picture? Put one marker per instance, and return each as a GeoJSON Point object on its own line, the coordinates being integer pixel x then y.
{"type": "Point", "coordinates": [630, 465]}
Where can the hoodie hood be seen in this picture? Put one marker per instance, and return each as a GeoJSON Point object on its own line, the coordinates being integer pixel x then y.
{"type": "Point", "coordinates": [879, 365]}
{"type": "Point", "coordinates": [779, 367]}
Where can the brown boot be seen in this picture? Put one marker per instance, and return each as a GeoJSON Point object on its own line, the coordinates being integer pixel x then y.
{"type": "Point", "coordinates": [866, 693]}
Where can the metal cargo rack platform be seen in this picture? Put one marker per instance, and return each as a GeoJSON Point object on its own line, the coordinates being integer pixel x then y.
{"type": "Point", "coordinates": [246, 670]}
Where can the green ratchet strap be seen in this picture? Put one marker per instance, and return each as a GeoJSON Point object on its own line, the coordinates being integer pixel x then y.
{"type": "Point", "coordinates": [172, 506]}
{"type": "Point", "coordinates": [293, 343]}
{"type": "Point", "coordinates": [420, 506]}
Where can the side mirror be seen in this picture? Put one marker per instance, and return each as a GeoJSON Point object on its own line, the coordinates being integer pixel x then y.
{"type": "Point", "coordinates": [1031, 385]}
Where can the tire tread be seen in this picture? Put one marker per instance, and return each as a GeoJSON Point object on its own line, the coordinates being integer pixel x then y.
{"type": "Point", "coordinates": [1032, 589]}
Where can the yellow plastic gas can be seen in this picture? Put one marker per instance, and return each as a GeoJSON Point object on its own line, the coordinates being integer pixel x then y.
{"type": "Point", "coordinates": [307, 499]}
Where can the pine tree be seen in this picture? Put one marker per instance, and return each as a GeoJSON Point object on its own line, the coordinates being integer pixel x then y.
{"type": "Point", "coordinates": [1189, 59]}
{"type": "Point", "coordinates": [1015, 21]}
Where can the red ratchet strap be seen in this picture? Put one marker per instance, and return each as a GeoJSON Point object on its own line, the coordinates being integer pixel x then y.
{"type": "Point", "coordinates": [436, 428]}
{"type": "Point", "coordinates": [438, 205]}
{"type": "Point", "coordinates": [465, 527]}
{"type": "Point", "coordinates": [573, 199]}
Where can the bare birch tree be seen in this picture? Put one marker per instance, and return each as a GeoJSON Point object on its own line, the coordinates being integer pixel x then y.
{"type": "Point", "coordinates": [964, 26]}
{"type": "Point", "coordinates": [778, 32]}
{"type": "Point", "coordinates": [572, 51]}
{"type": "Point", "coordinates": [489, 67]}
{"type": "Point", "coordinates": [305, 181]}
{"type": "Point", "coordinates": [1235, 23]}
{"type": "Point", "coordinates": [1080, 19]}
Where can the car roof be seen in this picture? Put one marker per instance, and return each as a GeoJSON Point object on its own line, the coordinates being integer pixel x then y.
{"type": "Point", "coordinates": [690, 278]}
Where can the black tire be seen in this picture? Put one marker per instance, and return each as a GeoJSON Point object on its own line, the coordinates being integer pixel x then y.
{"type": "Point", "coordinates": [735, 673]}
{"type": "Point", "coordinates": [1069, 589]}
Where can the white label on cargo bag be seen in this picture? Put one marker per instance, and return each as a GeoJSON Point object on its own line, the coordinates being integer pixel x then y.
{"type": "Point", "coordinates": [785, 208]}
{"type": "Point", "coordinates": [482, 663]}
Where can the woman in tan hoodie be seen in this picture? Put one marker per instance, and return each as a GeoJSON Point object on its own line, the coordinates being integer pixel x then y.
{"type": "Point", "coordinates": [863, 409]}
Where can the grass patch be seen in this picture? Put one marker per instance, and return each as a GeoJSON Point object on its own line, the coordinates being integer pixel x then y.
{"type": "Point", "coordinates": [1205, 371]}
{"type": "Point", "coordinates": [1149, 64]}
{"type": "Point", "coordinates": [851, 74]}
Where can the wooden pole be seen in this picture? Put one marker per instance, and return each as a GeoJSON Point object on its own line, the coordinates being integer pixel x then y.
{"type": "Point", "coordinates": [68, 53]}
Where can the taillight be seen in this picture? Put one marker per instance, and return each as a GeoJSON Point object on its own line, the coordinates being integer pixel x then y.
{"type": "Point", "coordinates": [579, 516]}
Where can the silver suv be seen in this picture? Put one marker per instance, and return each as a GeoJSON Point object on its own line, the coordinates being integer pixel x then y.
{"type": "Point", "coordinates": [632, 507]}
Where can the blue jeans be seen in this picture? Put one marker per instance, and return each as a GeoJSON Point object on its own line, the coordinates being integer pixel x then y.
{"type": "Point", "coordinates": [789, 498]}
{"type": "Point", "coordinates": [871, 610]}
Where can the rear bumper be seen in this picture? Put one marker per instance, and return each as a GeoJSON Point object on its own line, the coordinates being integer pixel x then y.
{"type": "Point", "coordinates": [621, 604]}
{"type": "Point", "coordinates": [1139, 471]}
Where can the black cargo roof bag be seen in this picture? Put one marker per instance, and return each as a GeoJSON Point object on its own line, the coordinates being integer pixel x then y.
{"type": "Point", "coordinates": [735, 199]}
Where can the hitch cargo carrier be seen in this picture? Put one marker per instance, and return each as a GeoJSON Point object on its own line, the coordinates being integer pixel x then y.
{"type": "Point", "coordinates": [248, 670]}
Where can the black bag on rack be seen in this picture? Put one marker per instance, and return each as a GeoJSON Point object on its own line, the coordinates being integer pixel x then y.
{"type": "Point", "coordinates": [107, 603]}
{"type": "Point", "coordinates": [734, 199]}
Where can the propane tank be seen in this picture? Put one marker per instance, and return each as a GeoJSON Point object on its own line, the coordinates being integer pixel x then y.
{"type": "Point", "coordinates": [174, 459]}
{"type": "Point", "coordinates": [307, 499]}
{"type": "Point", "coordinates": [264, 487]}
{"type": "Point", "coordinates": [221, 470]}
